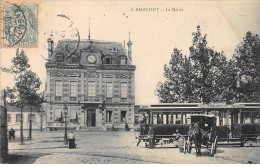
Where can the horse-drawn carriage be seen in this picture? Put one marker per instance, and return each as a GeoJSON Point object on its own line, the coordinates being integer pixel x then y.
{"type": "Point", "coordinates": [201, 131]}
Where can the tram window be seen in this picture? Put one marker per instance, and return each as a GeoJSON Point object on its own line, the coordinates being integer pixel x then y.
{"type": "Point", "coordinates": [178, 119]}
{"type": "Point", "coordinates": [159, 121]}
{"type": "Point", "coordinates": [217, 115]}
{"type": "Point", "coordinates": [154, 119]}
{"type": "Point", "coordinates": [256, 117]}
{"type": "Point", "coordinates": [189, 121]}
{"type": "Point", "coordinates": [164, 119]}
{"type": "Point", "coordinates": [169, 119]}
{"type": "Point", "coordinates": [246, 118]}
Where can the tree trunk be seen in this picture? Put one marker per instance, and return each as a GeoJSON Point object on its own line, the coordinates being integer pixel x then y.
{"type": "Point", "coordinates": [21, 126]}
{"type": "Point", "coordinates": [30, 127]}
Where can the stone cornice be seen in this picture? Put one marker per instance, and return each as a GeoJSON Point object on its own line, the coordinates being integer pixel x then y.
{"type": "Point", "coordinates": [98, 67]}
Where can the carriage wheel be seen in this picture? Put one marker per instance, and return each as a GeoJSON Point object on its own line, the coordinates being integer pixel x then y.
{"type": "Point", "coordinates": [184, 146]}
{"type": "Point", "coordinates": [216, 144]}
{"type": "Point", "coordinates": [212, 149]}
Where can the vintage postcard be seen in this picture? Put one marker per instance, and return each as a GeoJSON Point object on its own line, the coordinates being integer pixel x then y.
{"type": "Point", "coordinates": [130, 82]}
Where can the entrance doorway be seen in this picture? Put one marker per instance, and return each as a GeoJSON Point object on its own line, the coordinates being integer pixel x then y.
{"type": "Point", "coordinates": [91, 118]}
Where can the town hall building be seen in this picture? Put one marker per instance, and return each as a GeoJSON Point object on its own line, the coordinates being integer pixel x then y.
{"type": "Point", "coordinates": [94, 79]}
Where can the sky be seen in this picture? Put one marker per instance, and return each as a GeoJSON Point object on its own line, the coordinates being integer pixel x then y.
{"type": "Point", "coordinates": [154, 33]}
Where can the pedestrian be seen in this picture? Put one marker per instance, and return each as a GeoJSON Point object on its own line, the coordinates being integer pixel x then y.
{"type": "Point", "coordinates": [11, 134]}
{"type": "Point", "coordinates": [143, 121]}
{"type": "Point", "coordinates": [159, 120]}
{"type": "Point", "coordinates": [71, 139]}
{"type": "Point", "coordinates": [71, 135]}
{"type": "Point", "coordinates": [126, 126]}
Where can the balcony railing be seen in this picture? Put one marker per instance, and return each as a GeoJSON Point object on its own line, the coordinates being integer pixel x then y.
{"type": "Point", "coordinates": [58, 98]}
{"type": "Point", "coordinates": [73, 98]}
{"type": "Point", "coordinates": [91, 98]}
{"type": "Point", "coordinates": [123, 99]}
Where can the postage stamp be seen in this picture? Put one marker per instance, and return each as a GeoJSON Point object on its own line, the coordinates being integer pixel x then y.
{"type": "Point", "coordinates": [19, 25]}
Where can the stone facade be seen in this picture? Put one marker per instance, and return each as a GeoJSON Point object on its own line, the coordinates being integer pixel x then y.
{"type": "Point", "coordinates": [96, 81]}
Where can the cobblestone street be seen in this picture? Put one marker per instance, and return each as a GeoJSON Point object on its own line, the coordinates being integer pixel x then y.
{"type": "Point", "coordinates": [113, 148]}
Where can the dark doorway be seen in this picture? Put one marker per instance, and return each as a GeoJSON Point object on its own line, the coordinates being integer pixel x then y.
{"type": "Point", "coordinates": [91, 119]}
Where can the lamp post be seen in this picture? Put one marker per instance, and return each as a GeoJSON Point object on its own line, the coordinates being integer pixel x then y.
{"type": "Point", "coordinates": [42, 114]}
{"type": "Point", "coordinates": [41, 109]}
{"type": "Point", "coordinates": [65, 109]}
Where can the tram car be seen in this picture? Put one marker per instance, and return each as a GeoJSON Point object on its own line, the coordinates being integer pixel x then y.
{"type": "Point", "coordinates": [235, 123]}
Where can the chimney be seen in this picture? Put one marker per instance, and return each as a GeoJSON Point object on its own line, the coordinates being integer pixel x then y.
{"type": "Point", "coordinates": [129, 44]}
{"type": "Point", "coordinates": [50, 48]}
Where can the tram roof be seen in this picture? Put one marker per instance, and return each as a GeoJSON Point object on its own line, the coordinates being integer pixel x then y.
{"type": "Point", "coordinates": [199, 106]}
{"type": "Point", "coordinates": [203, 115]}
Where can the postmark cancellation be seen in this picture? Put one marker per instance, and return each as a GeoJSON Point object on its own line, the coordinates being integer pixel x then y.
{"type": "Point", "coordinates": [19, 25]}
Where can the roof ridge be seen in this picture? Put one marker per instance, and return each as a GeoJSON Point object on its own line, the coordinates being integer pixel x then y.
{"type": "Point", "coordinates": [87, 40]}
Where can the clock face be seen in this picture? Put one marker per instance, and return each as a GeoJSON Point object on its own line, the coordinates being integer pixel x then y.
{"type": "Point", "coordinates": [91, 59]}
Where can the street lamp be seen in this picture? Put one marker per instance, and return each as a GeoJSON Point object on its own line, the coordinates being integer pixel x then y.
{"type": "Point", "coordinates": [41, 109]}
{"type": "Point", "coordinates": [65, 109]}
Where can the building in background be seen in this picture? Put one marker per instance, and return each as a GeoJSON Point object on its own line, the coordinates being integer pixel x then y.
{"type": "Point", "coordinates": [14, 117]}
{"type": "Point", "coordinates": [96, 81]}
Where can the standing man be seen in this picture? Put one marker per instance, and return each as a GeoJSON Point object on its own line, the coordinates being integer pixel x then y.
{"type": "Point", "coordinates": [143, 121]}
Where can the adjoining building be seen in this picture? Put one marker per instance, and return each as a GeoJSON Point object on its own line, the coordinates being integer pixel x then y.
{"type": "Point", "coordinates": [14, 117]}
{"type": "Point", "coordinates": [94, 79]}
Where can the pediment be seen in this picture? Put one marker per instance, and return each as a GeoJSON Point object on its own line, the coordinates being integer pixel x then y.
{"type": "Point", "coordinates": [124, 76]}
{"type": "Point", "coordinates": [57, 74]}
{"type": "Point", "coordinates": [91, 75]}
{"type": "Point", "coordinates": [73, 75]}
{"type": "Point", "coordinates": [108, 76]}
